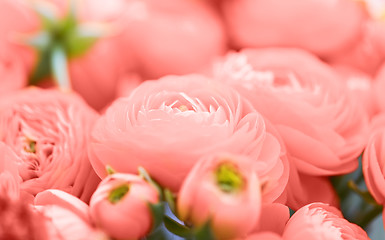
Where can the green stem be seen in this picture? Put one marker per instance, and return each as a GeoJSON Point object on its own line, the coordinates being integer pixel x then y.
{"type": "Point", "coordinates": [369, 216]}
{"type": "Point", "coordinates": [60, 67]}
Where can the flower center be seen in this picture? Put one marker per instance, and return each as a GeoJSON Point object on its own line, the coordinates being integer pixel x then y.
{"type": "Point", "coordinates": [228, 178]}
{"type": "Point", "coordinates": [118, 193]}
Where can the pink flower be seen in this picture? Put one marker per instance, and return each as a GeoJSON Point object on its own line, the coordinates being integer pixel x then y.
{"type": "Point", "coordinates": [166, 37]}
{"type": "Point", "coordinates": [224, 189]}
{"type": "Point", "coordinates": [167, 125]}
{"type": "Point", "coordinates": [9, 175]}
{"type": "Point", "coordinates": [12, 70]}
{"type": "Point", "coordinates": [373, 165]}
{"type": "Point", "coordinates": [274, 217]}
{"type": "Point", "coordinates": [66, 217]}
{"type": "Point", "coordinates": [323, 222]}
{"type": "Point", "coordinates": [49, 130]}
{"type": "Point", "coordinates": [321, 27]}
{"type": "Point", "coordinates": [19, 221]}
{"type": "Point", "coordinates": [367, 52]}
{"type": "Point", "coordinates": [120, 206]}
{"type": "Point", "coordinates": [264, 236]}
{"type": "Point", "coordinates": [379, 86]}
{"type": "Point", "coordinates": [360, 86]}
{"type": "Point", "coordinates": [323, 128]}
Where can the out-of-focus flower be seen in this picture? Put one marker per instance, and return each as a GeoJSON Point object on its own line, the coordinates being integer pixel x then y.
{"type": "Point", "coordinates": [166, 37]}
{"type": "Point", "coordinates": [367, 53]}
{"type": "Point", "coordinates": [12, 70]}
{"type": "Point", "coordinates": [66, 217]}
{"type": "Point", "coordinates": [303, 189]}
{"type": "Point", "coordinates": [322, 222]}
{"type": "Point", "coordinates": [9, 175]}
{"type": "Point", "coordinates": [379, 86]}
{"type": "Point", "coordinates": [321, 27]}
{"type": "Point", "coordinates": [120, 206]}
{"type": "Point", "coordinates": [360, 85]}
{"type": "Point", "coordinates": [373, 165]}
{"type": "Point", "coordinates": [263, 235]}
{"type": "Point", "coordinates": [225, 190]}
{"type": "Point", "coordinates": [323, 128]}
{"type": "Point", "coordinates": [167, 125]}
{"type": "Point", "coordinates": [273, 218]}
{"type": "Point", "coordinates": [49, 131]}
{"type": "Point", "coordinates": [80, 40]}
{"type": "Point", "coordinates": [19, 221]}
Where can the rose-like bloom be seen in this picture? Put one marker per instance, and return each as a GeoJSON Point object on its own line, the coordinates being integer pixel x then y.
{"type": "Point", "coordinates": [322, 222]}
{"type": "Point", "coordinates": [19, 221]}
{"type": "Point", "coordinates": [273, 218]}
{"type": "Point", "coordinates": [379, 86]}
{"type": "Point", "coordinates": [360, 85]}
{"type": "Point", "coordinates": [322, 27]}
{"type": "Point", "coordinates": [120, 206]}
{"type": "Point", "coordinates": [9, 175]}
{"type": "Point", "coordinates": [165, 37]}
{"type": "Point", "coordinates": [96, 84]}
{"type": "Point", "coordinates": [367, 52]}
{"type": "Point", "coordinates": [12, 70]}
{"type": "Point", "coordinates": [66, 217]}
{"type": "Point", "coordinates": [49, 131]}
{"type": "Point", "coordinates": [263, 236]}
{"type": "Point", "coordinates": [373, 165]}
{"type": "Point", "coordinates": [167, 125]}
{"type": "Point", "coordinates": [225, 190]}
{"type": "Point", "coordinates": [323, 128]}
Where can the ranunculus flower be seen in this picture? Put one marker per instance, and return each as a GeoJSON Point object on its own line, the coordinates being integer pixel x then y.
{"type": "Point", "coordinates": [49, 131]}
{"type": "Point", "coordinates": [273, 218]}
{"type": "Point", "coordinates": [319, 26]}
{"type": "Point", "coordinates": [264, 236]}
{"type": "Point", "coordinates": [9, 175]}
{"type": "Point", "coordinates": [224, 189]}
{"type": "Point", "coordinates": [360, 86]}
{"type": "Point", "coordinates": [367, 52]}
{"type": "Point", "coordinates": [373, 165]}
{"type": "Point", "coordinates": [120, 206]}
{"type": "Point", "coordinates": [167, 125]}
{"type": "Point", "coordinates": [66, 217]}
{"type": "Point", "coordinates": [166, 37]}
{"type": "Point", "coordinates": [96, 84]}
{"type": "Point", "coordinates": [323, 128]}
{"type": "Point", "coordinates": [12, 69]}
{"type": "Point", "coordinates": [323, 222]}
{"type": "Point", "coordinates": [379, 86]}
{"type": "Point", "coordinates": [19, 221]}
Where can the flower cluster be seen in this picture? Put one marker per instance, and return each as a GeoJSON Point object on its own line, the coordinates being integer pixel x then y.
{"type": "Point", "coordinates": [192, 119]}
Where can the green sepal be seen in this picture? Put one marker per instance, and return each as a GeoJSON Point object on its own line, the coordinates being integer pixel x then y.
{"type": "Point", "coordinates": [110, 170]}
{"type": "Point", "coordinates": [169, 197]}
{"type": "Point", "coordinates": [80, 41]}
{"type": "Point", "coordinates": [157, 212]}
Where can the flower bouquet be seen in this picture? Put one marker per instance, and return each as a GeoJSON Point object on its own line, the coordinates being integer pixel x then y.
{"type": "Point", "coordinates": [192, 119]}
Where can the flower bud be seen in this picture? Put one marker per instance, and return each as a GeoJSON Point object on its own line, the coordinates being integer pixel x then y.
{"type": "Point", "coordinates": [120, 206]}
{"type": "Point", "coordinates": [225, 190]}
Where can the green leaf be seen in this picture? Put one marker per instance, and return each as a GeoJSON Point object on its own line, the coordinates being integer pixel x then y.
{"type": "Point", "coordinates": [157, 211]}
{"type": "Point", "coordinates": [204, 232]}
{"type": "Point", "coordinates": [177, 228]}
